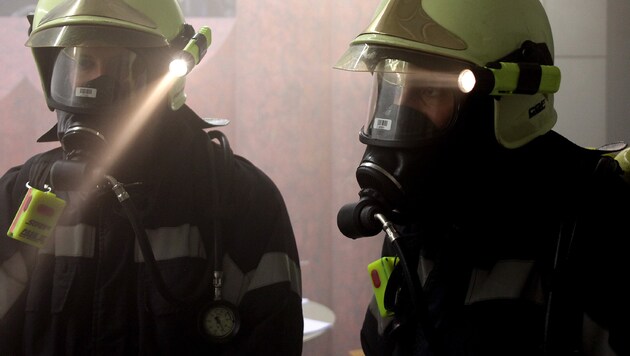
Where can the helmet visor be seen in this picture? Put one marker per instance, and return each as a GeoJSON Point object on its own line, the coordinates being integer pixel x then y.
{"type": "Point", "coordinates": [410, 105]}
{"type": "Point", "coordinates": [89, 78]}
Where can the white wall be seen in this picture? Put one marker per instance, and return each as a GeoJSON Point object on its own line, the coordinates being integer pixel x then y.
{"type": "Point", "coordinates": [579, 28]}
{"type": "Point", "coordinates": [618, 70]}
{"type": "Point", "coordinates": [589, 47]}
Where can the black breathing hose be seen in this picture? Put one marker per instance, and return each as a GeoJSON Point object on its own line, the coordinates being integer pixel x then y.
{"type": "Point", "coordinates": [147, 252]}
{"type": "Point", "coordinates": [418, 299]}
{"type": "Point", "coordinates": [213, 271]}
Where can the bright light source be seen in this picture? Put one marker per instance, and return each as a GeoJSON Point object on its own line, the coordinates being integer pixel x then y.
{"type": "Point", "coordinates": [191, 54]}
{"type": "Point", "coordinates": [178, 67]}
{"type": "Point", "coordinates": [466, 81]}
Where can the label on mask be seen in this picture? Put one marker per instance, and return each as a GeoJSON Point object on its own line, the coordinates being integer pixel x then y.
{"type": "Point", "coordinates": [85, 92]}
{"type": "Point", "coordinates": [37, 217]}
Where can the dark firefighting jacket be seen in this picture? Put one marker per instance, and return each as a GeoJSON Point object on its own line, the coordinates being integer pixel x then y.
{"type": "Point", "coordinates": [88, 290]}
{"type": "Point", "coordinates": [521, 254]}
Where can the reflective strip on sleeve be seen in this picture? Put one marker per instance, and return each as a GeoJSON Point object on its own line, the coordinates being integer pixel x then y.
{"type": "Point", "coordinates": [173, 242]}
{"type": "Point", "coordinates": [13, 279]}
{"type": "Point", "coordinates": [71, 241]}
{"type": "Point", "coordinates": [184, 241]}
{"type": "Point", "coordinates": [507, 279]}
{"type": "Point", "coordinates": [166, 242]}
{"type": "Point", "coordinates": [274, 267]}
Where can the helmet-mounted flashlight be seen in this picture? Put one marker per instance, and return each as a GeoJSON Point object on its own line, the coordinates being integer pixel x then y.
{"type": "Point", "coordinates": [192, 54]}
{"type": "Point", "coordinates": [505, 78]}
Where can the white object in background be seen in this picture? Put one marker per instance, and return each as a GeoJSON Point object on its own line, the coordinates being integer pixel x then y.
{"type": "Point", "coordinates": [317, 319]}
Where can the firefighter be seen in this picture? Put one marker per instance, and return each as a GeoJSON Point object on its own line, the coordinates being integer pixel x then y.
{"type": "Point", "coordinates": [142, 234]}
{"type": "Point", "coordinates": [502, 236]}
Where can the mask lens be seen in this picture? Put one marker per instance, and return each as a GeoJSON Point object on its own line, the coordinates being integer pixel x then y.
{"type": "Point", "coordinates": [96, 77]}
{"type": "Point", "coordinates": [410, 105]}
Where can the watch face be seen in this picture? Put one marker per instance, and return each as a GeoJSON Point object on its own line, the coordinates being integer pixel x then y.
{"type": "Point", "coordinates": [219, 321]}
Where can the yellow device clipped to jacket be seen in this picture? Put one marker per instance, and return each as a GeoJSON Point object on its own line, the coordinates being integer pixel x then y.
{"type": "Point", "coordinates": [36, 217]}
{"type": "Point", "coordinates": [380, 271]}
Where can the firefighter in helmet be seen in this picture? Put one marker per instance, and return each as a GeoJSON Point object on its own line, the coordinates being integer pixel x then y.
{"type": "Point", "coordinates": [128, 238]}
{"type": "Point", "coordinates": [496, 239]}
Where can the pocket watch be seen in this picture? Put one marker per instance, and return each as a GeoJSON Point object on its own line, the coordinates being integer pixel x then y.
{"type": "Point", "coordinates": [219, 321]}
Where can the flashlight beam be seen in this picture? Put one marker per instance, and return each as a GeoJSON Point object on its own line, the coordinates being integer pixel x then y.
{"type": "Point", "coordinates": [131, 128]}
{"type": "Point", "coordinates": [140, 117]}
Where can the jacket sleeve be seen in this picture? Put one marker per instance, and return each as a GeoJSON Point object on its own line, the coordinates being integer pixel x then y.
{"type": "Point", "coordinates": [601, 236]}
{"type": "Point", "coordinates": [14, 262]}
{"type": "Point", "coordinates": [262, 272]}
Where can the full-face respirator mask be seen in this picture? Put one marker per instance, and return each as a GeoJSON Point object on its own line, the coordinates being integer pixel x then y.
{"type": "Point", "coordinates": [415, 114]}
{"type": "Point", "coordinates": [90, 89]}
{"type": "Point", "coordinates": [411, 112]}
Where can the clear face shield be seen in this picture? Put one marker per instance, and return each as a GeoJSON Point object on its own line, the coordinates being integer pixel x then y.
{"type": "Point", "coordinates": [410, 105]}
{"type": "Point", "coordinates": [92, 89]}
{"type": "Point", "coordinates": [413, 109]}
{"type": "Point", "coordinates": [90, 79]}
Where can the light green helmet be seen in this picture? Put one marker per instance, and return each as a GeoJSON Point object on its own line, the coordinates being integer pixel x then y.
{"type": "Point", "coordinates": [154, 27]}
{"type": "Point", "coordinates": [477, 32]}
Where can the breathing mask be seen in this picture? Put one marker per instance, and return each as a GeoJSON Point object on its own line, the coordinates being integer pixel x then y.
{"type": "Point", "coordinates": [89, 87]}
{"type": "Point", "coordinates": [412, 110]}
